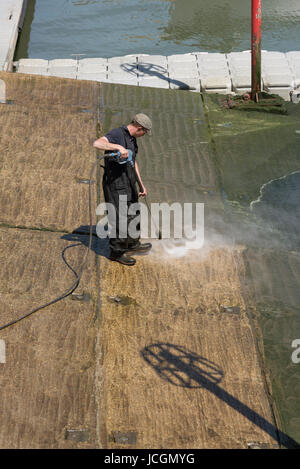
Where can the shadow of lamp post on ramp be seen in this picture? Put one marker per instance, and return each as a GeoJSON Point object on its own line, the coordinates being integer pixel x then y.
{"type": "Point", "coordinates": [182, 367]}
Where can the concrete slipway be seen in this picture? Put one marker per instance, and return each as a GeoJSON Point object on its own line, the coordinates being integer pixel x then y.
{"type": "Point", "coordinates": [168, 353]}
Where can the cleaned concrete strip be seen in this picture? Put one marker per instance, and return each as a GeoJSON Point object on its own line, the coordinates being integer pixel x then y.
{"type": "Point", "coordinates": [47, 385]}
{"type": "Point", "coordinates": [45, 133]}
{"type": "Point", "coordinates": [170, 374]}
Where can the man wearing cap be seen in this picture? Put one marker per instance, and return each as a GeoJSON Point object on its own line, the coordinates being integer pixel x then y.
{"type": "Point", "coordinates": [120, 180]}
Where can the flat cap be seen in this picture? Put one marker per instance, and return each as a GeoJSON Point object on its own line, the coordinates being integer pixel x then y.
{"type": "Point", "coordinates": [144, 121]}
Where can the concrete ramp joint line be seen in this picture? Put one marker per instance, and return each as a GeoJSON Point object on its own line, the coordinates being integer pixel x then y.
{"type": "Point", "coordinates": [2, 351]}
{"type": "Point", "coordinates": [2, 92]}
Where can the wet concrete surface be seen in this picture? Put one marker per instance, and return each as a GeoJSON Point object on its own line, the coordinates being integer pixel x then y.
{"type": "Point", "coordinates": [258, 160]}
{"type": "Point", "coordinates": [170, 353]}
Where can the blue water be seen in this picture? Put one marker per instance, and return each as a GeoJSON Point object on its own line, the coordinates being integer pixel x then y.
{"type": "Point", "coordinates": [106, 28]}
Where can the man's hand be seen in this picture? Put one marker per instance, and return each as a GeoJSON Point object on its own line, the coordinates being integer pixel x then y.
{"type": "Point", "coordinates": [124, 153]}
{"type": "Point", "coordinates": [143, 191]}
{"type": "Point", "coordinates": [103, 144]}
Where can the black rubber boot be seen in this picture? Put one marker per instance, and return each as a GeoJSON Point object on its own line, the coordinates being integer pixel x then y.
{"type": "Point", "coordinates": [122, 258]}
{"type": "Point", "coordinates": [140, 248]}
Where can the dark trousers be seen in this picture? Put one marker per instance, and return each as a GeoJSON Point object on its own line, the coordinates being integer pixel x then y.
{"type": "Point", "coordinates": [122, 241]}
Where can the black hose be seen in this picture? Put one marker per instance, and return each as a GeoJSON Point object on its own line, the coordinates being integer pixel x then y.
{"type": "Point", "coordinates": [74, 285]}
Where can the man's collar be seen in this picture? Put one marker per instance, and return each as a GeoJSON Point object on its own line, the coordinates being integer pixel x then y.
{"type": "Point", "coordinates": [126, 129]}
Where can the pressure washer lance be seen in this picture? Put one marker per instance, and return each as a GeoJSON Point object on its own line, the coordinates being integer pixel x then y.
{"type": "Point", "coordinates": [117, 156]}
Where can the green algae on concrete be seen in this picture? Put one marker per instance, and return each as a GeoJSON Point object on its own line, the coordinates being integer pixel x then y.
{"type": "Point", "coordinates": [252, 148]}
{"type": "Point", "coordinates": [257, 155]}
{"type": "Point", "coordinates": [273, 285]}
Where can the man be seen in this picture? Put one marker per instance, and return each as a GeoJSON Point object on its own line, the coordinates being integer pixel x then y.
{"type": "Point", "coordinates": [120, 180]}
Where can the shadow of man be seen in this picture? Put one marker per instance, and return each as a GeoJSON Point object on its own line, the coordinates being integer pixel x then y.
{"type": "Point", "coordinates": [99, 246]}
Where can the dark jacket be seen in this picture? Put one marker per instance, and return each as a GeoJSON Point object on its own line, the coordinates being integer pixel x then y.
{"type": "Point", "coordinates": [120, 177]}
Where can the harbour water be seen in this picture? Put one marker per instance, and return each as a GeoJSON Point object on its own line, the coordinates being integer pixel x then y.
{"type": "Point", "coordinates": [108, 28]}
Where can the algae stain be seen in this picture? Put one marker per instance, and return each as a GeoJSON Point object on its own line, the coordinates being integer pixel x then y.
{"type": "Point", "coordinates": [122, 300]}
